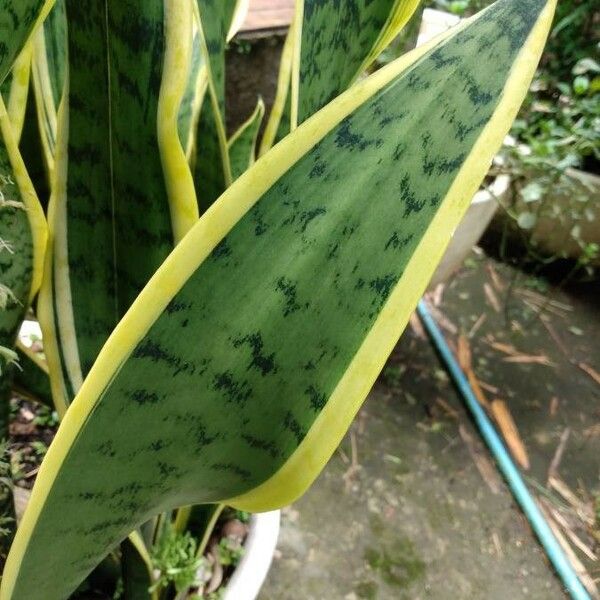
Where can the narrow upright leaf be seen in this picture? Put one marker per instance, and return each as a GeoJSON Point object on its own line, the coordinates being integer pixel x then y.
{"type": "Point", "coordinates": [242, 145]}
{"type": "Point", "coordinates": [333, 43]}
{"type": "Point", "coordinates": [48, 75]}
{"type": "Point", "coordinates": [22, 244]}
{"type": "Point", "coordinates": [193, 99]}
{"type": "Point", "coordinates": [15, 90]}
{"type": "Point", "coordinates": [31, 378]}
{"type": "Point", "coordinates": [212, 172]}
{"type": "Point", "coordinates": [240, 366]}
{"type": "Point", "coordinates": [114, 215]}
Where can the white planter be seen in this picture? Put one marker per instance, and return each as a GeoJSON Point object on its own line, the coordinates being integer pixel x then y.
{"type": "Point", "coordinates": [251, 572]}
{"type": "Point", "coordinates": [435, 22]}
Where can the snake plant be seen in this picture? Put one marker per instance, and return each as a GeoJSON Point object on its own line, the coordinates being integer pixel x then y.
{"type": "Point", "coordinates": [212, 322]}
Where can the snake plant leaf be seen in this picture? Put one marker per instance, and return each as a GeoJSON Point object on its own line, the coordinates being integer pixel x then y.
{"type": "Point", "coordinates": [240, 366]}
{"type": "Point", "coordinates": [192, 101]}
{"type": "Point", "coordinates": [242, 144]}
{"type": "Point", "coordinates": [212, 169]}
{"type": "Point", "coordinates": [31, 379]}
{"type": "Point", "coordinates": [114, 218]}
{"type": "Point", "coordinates": [278, 122]}
{"type": "Point", "coordinates": [55, 47]}
{"type": "Point", "coordinates": [220, 20]}
{"type": "Point", "coordinates": [18, 19]}
{"type": "Point", "coordinates": [15, 90]}
{"type": "Point", "coordinates": [136, 567]}
{"type": "Point", "coordinates": [334, 44]}
{"type": "Point", "coordinates": [48, 75]}
{"type": "Point", "coordinates": [22, 242]}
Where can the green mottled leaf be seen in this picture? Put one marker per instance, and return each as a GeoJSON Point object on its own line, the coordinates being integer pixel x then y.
{"type": "Point", "coordinates": [31, 378]}
{"type": "Point", "coordinates": [17, 21]}
{"type": "Point", "coordinates": [55, 44]}
{"type": "Point", "coordinates": [136, 578]}
{"type": "Point", "coordinates": [112, 224]}
{"type": "Point", "coordinates": [240, 366]}
{"type": "Point", "coordinates": [212, 172]}
{"type": "Point", "coordinates": [242, 145]}
{"type": "Point", "coordinates": [338, 40]}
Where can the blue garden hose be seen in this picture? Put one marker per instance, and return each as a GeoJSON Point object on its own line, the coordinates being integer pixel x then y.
{"type": "Point", "coordinates": [520, 492]}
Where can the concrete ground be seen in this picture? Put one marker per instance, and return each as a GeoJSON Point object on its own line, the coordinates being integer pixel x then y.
{"type": "Point", "coordinates": [411, 506]}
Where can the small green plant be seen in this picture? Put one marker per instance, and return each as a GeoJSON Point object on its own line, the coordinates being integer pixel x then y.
{"type": "Point", "coordinates": [39, 447]}
{"type": "Point", "coordinates": [176, 561]}
{"type": "Point", "coordinates": [46, 417]}
{"type": "Point", "coordinates": [557, 132]}
{"type": "Point", "coordinates": [242, 515]}
{"type": "Point", "coordinates": [229, 552]}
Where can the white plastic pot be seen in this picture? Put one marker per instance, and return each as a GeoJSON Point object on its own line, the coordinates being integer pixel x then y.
{"type": "Point", "coordinates": [259, 548]}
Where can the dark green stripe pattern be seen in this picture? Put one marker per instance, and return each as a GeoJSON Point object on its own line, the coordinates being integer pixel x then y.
{"type": "Point", "coordinates": [55, 37]}
{"type": "Point", "coordinates": [336, 38]}
{"type": "Point", "coordinates": [17, 20]}
{"type": "Point", "coordinates": [227, 382]}
{"type": "Point", "coordinates": [118, 221]}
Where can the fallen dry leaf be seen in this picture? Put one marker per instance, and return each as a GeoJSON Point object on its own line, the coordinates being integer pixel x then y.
{"type": "Point", "coordinates": [577, 565]}
{"type": "Point", "coordinates": [443, 321]}
{"type": "Point", "coordinates": [492, 389]}
{"type": "Point", "coordinates": [447, 408]}
{"type": "Point", "coordinates": [417, 326]}
{"type": "Point", "coordinates": [464, 352]}
{"type": "Point", "coordinates": [480, 321]}
{"type": "Point", "coordinates": [496, 280]}
{"type": "Point", "coordinates": [21, 498]}
{"type": "Point", "coordinates": [474, 383]}
{"type": "Point", "coordinates": [590, 371]}
{"type": "Point", "coordinates": [527, 359]}
{"type": "Point", "coordinates": [593, 431]}
{"type": "Point", "coordinates": [491, 297]}
{"type": "Point", "coordinates": [505, 348]}
{"type": "Point", "coordinates": [510, 433]}
{"type": "Point", "coordinates": [558, 454]}
{"type": "Point", "coordinates": [436, 295]}
{"type": "Point", "coordinates": [482, 462]}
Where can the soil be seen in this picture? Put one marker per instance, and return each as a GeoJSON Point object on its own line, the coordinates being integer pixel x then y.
{"type": "Point", "coordinates": [252, 69]}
